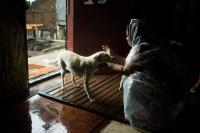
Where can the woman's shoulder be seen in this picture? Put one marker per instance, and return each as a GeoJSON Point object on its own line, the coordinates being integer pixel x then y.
{"type": "Point", "coordinates": [145, 46]}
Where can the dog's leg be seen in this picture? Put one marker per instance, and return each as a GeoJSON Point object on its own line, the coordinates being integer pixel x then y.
{"type": "Point", "coordinates": [73, 81]}
{"type": "Point", "coordinates": [62, 78]}
{"type": "Point", "coordinates": [62, 66]}
{"type": "Point", "coordinates": [86, 86]}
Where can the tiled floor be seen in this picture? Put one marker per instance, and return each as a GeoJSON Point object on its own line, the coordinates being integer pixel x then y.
{"type": "Point", "coordinates": [41, 115]}
{"type": "Point", "coordinates": [50, 116]}
{"type": "Point", "coordinates": [37, 66]}
{"type": "Point", "coordinates": [36, 70]}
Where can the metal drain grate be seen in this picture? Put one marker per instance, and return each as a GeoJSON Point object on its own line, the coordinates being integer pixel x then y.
{"type": "Point", "coordinates": [104, 89]}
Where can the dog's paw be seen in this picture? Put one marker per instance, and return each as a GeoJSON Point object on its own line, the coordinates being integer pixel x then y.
{"type": "Point", "coordinates": [63, 88]}
{"type": "Point", "coordinates": [79, 85]}
{"type": "Point", "coordinates": [92, 100]}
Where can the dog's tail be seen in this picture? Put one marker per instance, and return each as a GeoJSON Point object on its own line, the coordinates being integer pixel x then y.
{"type": "Point", "coordinates": [50, 62]}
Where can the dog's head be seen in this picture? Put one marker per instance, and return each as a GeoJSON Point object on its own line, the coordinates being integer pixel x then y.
{"type": "Point", "coordinates": [103, 56]}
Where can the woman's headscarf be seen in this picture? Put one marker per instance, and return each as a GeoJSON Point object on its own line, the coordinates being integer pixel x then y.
{"type": "Point", "coordinates": [132, 31]}
{"type": "Point", "coordinates": [140, 34]}
{"type": "Point", "coordinates": [140, 31]}
{"type": "Point", "coordinates": [138, 38]}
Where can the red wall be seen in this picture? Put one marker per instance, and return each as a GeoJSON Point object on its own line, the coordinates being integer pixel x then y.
{"type": "Point", "coordinates": [70, 25]}
{"type": "Point", "coordinates": [90, 26]}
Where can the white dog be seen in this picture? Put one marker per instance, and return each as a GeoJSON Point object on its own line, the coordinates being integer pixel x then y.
{"type": "Point", "coordinates": [79, 65]}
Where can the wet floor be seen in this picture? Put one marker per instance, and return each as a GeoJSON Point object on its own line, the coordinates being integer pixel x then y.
{"type": "Point", "coordinates": [41, 115]}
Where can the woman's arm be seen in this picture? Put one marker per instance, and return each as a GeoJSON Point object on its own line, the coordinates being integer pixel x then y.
{"type": "Point", "coordinates": [130, 68]}
{"type": "Point", "coordinates": [123, 69]}
{"type": "Point", "coordinates": [118, 67]}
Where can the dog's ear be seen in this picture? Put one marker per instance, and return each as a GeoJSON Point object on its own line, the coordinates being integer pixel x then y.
{"type": "Point", "coordinates": [106, 49]}
{"type": "Point", "coordinates": [101, 57]}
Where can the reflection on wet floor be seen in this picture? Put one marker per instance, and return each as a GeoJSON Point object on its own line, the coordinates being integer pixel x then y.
{"type": "Point", "coordinates": [46, 117]}
{"type": "Point", "coordinates": [41, 115]}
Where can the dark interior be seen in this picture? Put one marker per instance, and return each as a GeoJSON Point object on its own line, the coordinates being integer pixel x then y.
{"type": "Point", "coordinates": [91, 26]}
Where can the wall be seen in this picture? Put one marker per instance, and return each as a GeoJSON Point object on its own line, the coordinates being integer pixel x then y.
{"type": "Point", "coordinates": [92, 25]}
{"type": "Point", "coordinates": [13, 55]}
{"type": "Point", "coordinates": [42, 12]}
{"type": "Point", "coordinates": [95, 23]}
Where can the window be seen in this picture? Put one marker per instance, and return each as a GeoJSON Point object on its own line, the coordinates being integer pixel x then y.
{"type": "Point", "coordinates": [46, 36]}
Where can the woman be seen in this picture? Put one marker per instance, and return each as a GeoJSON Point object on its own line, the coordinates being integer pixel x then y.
{"type": "Point", "coordinates": [152, 81]}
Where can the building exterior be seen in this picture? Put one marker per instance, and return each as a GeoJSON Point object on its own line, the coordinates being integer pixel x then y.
{"type": "Point", "coordinates": [46, 18]}
{"type": "Point", "coordinates": [61, 19]}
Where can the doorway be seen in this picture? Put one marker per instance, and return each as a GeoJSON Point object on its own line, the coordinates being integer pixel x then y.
{"type": "Point", "coordinates": [46, 35]}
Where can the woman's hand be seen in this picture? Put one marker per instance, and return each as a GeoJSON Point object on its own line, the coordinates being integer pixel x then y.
{"type": "Point", "coordinates": [126, 69]}
{"type": "Point", "coordinates": [108, 67]}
